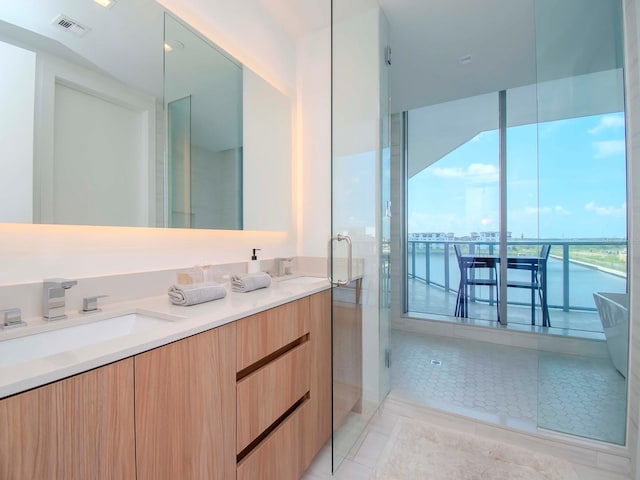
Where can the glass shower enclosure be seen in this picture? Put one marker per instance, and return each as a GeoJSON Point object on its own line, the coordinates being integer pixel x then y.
{"type": "Point", "coordinates": [359, 248]}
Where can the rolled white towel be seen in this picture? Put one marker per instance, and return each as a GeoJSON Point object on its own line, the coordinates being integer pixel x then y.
{"type": "Point", "coordinates": [250, 281]}
{"type": "Point", "coordinates": [186, 295]}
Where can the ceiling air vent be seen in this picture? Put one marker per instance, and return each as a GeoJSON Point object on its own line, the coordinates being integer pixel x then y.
{"type": "Point", "coordinates": [69, 25]}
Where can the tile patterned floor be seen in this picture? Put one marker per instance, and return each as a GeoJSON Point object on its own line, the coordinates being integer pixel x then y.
{"type": "Point", "coordinates": [492, 384]}
{"type": "Point", "coordinates": [363, 457]}
{"type": "Point", "coordinates": [581, 396]}
{"type": "Point", "coordinates": [514, 387]}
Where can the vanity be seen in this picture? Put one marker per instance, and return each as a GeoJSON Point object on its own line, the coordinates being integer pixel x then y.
{"type": "Point", "coordinates": [236, 388]}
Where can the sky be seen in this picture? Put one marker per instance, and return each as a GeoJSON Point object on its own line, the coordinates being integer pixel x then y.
{"type": "Point", "coordinates": [565, 179]}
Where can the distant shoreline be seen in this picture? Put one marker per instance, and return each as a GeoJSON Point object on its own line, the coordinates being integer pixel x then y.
{"type": "Point", "coordinates": [610, 271]}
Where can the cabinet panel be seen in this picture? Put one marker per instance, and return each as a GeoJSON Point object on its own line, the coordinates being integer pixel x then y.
{"type": "Point", "coordinates": [186, 408]}
{"type": "Point", "coordinates": [319, 429]}
{"type": "Point", "coordinates": [266, 394]}
{"type": "Point", "coordinates": [78, 428]}
{"type": "Point", "coordinates": [279, 456]}
{"type": "Point", "coordinates": [262, 334]}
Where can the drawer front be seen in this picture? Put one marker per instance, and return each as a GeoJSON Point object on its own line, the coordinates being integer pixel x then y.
{"type": "Point", "coordinates": [280, 456]}
{"type": "Point", "coordinates": [266, 394]}
{"type": "Point", "coordinates": [264, 333]}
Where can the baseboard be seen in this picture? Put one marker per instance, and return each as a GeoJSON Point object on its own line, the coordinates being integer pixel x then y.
{"type": "Point", "coordinates": [501, 335]}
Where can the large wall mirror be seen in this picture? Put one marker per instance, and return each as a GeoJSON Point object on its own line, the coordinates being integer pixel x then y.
{"type": "Point", "coordinates": [101, 125]}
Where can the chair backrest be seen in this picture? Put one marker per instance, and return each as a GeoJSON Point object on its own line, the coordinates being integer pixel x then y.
{"type": "Point", "coordinates": [544, 251]}
{"type": "Point", "coordinates": [456, 248]}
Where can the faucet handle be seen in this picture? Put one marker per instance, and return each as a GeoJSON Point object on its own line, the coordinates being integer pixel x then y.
{"type": "Point", "coordinates": [90, 304]}
{"type": "Point", "coordinates": [59, 283]}
{"type": "Point", "coordinates": [12, 317]}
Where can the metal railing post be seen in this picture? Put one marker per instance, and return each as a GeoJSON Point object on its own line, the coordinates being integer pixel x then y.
{"type": "Point", "coordinates": [446, 267]}
{"type": "Point", "coordinates": [427, 263]}
{"type": "Point", "coordinates": [565, 277]}
{"type": "Point", "coordinates": [413, 259]}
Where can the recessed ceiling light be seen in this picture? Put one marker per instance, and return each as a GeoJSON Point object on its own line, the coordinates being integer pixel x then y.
{"type": "Point", "coordinates": [463, 60]}
{"type": "Point", "coordinates": [105, 3]}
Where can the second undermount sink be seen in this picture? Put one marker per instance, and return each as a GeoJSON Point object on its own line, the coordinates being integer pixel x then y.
{"type": "Point", "coordinates": [304, 280]}
{"type": "Point", "coordinates": [43, 344]}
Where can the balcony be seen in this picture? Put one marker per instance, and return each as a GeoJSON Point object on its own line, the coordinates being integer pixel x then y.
{"type": "Point", "coordinates": [576, 269]}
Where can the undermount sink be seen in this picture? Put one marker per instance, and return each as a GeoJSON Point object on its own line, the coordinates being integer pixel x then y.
{"type": "Point", "coordinates": [304, 280]}
{"type": "Point", "coordinates": [43, 344]}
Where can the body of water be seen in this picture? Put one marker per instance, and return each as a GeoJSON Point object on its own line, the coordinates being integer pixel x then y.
{"type": "Point", "coordinates": [583, 280]}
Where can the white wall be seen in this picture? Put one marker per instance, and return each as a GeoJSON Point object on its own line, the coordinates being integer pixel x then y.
{"type": "Point", "coordinates": [266, 155]}
{"type": "Point", "coordinates": [98, 158]}
{"type": "Point", "coordinates": [216, 196]}
{"type": "Point", "coordinates": [51, 72]}
{"type": "Point", "coordinates": [32, 252]}
{"type": "Point", "coordinates": [313, 177]}
{"type": "Point", "coordinates": [17, 86]}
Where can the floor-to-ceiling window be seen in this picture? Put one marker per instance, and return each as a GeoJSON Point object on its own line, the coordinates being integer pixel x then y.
{"type": "Point", "coordinates": [453, 197]}
{"type": "Point", "coordinates": [546, 213]}
{"type": "Point", "coordinates": [565, 181]}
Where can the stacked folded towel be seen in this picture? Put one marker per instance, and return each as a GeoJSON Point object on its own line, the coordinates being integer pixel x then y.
{"type": "Point", "coordinates": [250, 281]}
{"type": "Point", "coordinates": [196, 293]}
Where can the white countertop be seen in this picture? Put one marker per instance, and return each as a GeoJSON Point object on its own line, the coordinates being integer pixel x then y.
{"type": "Point", "coordinates": [181, 323]}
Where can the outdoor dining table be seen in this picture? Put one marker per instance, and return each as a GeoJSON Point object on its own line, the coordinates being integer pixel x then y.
{"type": "Point", "coordinates": [538, 280]}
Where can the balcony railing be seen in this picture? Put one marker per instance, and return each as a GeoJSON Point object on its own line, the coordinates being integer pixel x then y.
{"type": "Point", "coordinates": [560, 251]}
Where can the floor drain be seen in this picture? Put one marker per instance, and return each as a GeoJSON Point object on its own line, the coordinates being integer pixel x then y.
{"type": "Point", "coordinates": [437, 363]}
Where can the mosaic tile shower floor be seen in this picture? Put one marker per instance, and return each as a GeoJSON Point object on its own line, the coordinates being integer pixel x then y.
{"type": "Point", "coordinates": [509, 386]}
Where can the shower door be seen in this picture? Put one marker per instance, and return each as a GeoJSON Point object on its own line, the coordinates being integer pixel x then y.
{"type": "Point", "coordinates": [359, 245]}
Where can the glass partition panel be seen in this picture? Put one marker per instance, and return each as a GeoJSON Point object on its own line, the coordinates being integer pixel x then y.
{"type": "Point", "coordinates": [582, 183]}
{"type": "Point", "coordinates": [179, 162]}
{"type": "Point", "coordinates": [524, 292]}
{"type": "Point", "coordinates": [453, 199]}
{"type": "Point", "coordinates": [359, 180]}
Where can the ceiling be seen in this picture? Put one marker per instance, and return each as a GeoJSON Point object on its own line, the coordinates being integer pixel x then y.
{"type": "Point", "coordinates": [427, 37]}
{"type": "Point", "coordinates": [124, 41]}
{"type": "Point", "coordinates": [510, 43]}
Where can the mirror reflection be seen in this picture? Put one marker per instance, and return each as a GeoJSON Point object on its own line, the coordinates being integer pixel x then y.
{"type": "Point", "coordinates": [91, 137]}
{"type": "Point", "coordinates": [203, 95]}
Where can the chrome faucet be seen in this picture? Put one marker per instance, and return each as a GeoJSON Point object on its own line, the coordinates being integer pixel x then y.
{"type": "Point", "coordinates": [53, 300]}
{"type": "Point", "coordinates": [12, 317]}
{"type": "Point", "coordinates": [279, 264]}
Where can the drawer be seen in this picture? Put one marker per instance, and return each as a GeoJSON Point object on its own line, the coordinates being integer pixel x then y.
{"type": "Point", "coordinates": [266, 394]}
{"type": "Point", "coordinates": [264, 333]}
{"type": "Point", "coordinates": [281, 455]}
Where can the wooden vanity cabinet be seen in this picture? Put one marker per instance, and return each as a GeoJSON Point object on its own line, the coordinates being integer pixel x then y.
{"type": "Point", "coordinates": [284, 388]}
{"type": "Point", "coordinates": [185, 408]}
{"type": "Point", "coordinates": [77, 428]}
{"type": "Point", "coordinates": [319, 428]}
{"type": "Point", "coordinates": [247, 400]}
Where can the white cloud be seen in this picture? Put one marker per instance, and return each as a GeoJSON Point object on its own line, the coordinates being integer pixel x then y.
{"type": "Point", "coordinates": [476, 173]}
{"type": "Point", "coordinates": [608, 148]}
{"type": "Point", "coordinates": [558, 209]}
{"type": "Point", "coordinates": [607, 122]}
{"type": "Point", "coordinates": [448, 172]}
{"type": "Point", "coordinates": [606, 211]}
{"type": "Point", "coordinates": [536, 210]}
{"type": "Point", "coordinates": [561, 210]}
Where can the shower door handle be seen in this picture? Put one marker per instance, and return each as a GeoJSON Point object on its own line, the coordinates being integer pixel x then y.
{"type": "Point", "coordinates": [340, 238]}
